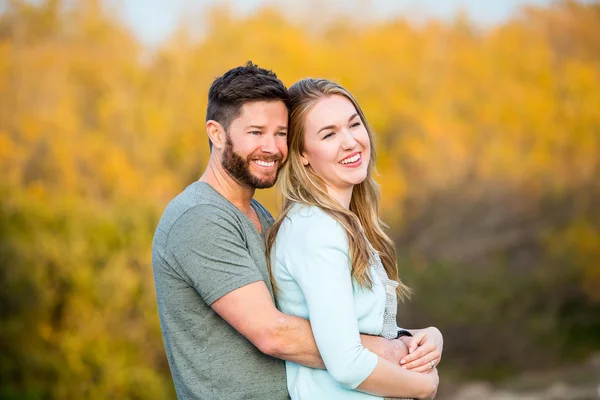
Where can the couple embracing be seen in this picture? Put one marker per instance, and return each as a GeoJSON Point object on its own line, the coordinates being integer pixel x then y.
{"type": "Point", "coordinates": [301, 307]}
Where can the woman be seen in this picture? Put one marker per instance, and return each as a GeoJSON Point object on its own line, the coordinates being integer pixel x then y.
{"type": "Point", "coordinates": [330, 260]}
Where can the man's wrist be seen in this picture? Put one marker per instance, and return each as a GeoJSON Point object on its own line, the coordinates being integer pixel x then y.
{"type": "Point", "coordinates": [375, 344]}
{"type": "Point", "coordinates": [406, 340]}
{"type": "Point", "coordinates": [391, 350]}
{"type": "Point", "coordinates": [403, 332]}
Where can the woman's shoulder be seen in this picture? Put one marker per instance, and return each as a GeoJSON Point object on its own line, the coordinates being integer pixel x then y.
{"type": "Point", "coordinates": [308, 222]}
{"type": "Point", "coordinates": [307, 214]}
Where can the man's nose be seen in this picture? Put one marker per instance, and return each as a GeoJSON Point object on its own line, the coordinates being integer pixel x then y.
{"type": "Point", "coordinates": [269, 144]}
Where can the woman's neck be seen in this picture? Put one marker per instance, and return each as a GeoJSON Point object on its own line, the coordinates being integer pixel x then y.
{"type": "Point", "coordinates": [343, 196]}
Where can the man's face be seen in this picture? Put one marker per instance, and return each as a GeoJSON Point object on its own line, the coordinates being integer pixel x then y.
{"type": "Point", "coordinates": [256, 144]}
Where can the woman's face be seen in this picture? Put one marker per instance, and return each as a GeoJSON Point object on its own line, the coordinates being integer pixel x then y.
{"type": "Point", "coordinates": [336, 144]}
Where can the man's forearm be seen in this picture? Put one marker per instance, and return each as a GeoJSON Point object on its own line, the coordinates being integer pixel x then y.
{"type": "Point", "coordinates": [291, 339]}
{"type": "Point", "coordinates": [391, 350]}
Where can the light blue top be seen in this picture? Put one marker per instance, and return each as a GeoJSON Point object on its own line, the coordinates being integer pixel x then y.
{"type": "Point", "coordinates": [312, 272]}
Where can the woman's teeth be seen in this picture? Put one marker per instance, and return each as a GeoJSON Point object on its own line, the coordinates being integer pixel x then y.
{"type": "Point", "coordinates": [351, 159]}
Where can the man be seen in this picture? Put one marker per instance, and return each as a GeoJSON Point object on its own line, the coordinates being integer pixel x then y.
{"type": "Point", "coordinates": [223, 336]}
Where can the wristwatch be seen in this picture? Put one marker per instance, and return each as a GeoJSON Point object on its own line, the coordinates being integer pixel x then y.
{"type": "Point", "coordinates": [403, 332]}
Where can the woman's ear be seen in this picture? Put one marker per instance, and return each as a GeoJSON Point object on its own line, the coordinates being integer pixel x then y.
{"type": "Point", "coordinates": [304, 160]}
{"type": "Point", "coordinates": [216, 133]}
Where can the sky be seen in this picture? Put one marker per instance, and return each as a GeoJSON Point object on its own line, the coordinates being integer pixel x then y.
{"type": "Point", "coordinates": [153, 20]}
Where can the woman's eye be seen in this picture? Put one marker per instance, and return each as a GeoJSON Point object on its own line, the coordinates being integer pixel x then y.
{"type": "Point", "coordinates": [254, 133]}
{"type": "Point", "coordinates": [354, 125]}
{"type": "Point", "coordinates": [330, 134]}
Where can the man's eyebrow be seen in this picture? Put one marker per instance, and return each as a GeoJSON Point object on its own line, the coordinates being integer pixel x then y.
{"type": "Point", "coordinates": [260, 127]}
{"type": "Point", "coordinates": [333, 126]}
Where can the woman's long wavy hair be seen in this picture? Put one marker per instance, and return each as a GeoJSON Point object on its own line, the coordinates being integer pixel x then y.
{"type": "Point", "coordinates": [299, 184]}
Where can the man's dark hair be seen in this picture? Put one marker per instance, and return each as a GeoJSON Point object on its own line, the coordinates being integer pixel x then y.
{"type": "Point", "coordinates": [240, 85]}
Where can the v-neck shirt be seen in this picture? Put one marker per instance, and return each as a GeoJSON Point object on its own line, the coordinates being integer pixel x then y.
{"type": "Point", "coordinates": [204, 248]}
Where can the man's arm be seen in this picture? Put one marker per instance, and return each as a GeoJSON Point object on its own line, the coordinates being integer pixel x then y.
{"type": "Point", "coordinates": [250, 310]}
{"type": "Point", "coordinates": [391, 350]}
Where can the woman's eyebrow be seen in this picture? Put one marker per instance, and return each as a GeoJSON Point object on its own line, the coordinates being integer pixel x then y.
{"type": "Point", "coordinates": [333, 126]}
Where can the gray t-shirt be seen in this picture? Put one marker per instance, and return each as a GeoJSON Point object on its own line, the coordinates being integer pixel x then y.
{"type": "Point", "coordinates": [205, 247]}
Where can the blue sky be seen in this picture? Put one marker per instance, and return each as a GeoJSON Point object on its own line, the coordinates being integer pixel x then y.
{"type": "Point", "coordinates": [154, 20]}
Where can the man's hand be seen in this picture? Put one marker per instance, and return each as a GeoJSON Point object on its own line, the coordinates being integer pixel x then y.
{"type": "Point", "coordinates": [394, 351]}
{"type": "Point", "coordinates": [424, 347]}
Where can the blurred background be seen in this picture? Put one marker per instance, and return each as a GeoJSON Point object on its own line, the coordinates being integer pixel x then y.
{"type": "Point", "coordinates": [487, 117]}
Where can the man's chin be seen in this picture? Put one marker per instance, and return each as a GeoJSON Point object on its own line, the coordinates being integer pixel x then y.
{"type": "Point", "coordinates": [264, 182]}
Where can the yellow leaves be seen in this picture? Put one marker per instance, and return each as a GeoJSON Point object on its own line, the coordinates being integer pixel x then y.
{"type": "Point", "coordinates": [11, 156]}
{"type": "Point", "coordinates": [395, 188]}
{"type": "Point", "coordinates": [37, 191]}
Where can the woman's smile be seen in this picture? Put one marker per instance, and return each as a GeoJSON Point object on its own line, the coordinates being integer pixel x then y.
{"type": "Point", "coordinates": [353, 160]}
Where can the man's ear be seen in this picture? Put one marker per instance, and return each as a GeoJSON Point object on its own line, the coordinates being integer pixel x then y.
{"type": "Point", "coordinates": [216, 133]}
{"type": "Point", "coordinates": [304, 160]}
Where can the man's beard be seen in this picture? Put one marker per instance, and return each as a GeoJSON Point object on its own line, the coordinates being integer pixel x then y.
{"type": "Point", "coordinates": [239, 169]}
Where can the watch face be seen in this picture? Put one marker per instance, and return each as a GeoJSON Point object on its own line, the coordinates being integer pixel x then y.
{"type": "Point", "coordinates": [403, 332]}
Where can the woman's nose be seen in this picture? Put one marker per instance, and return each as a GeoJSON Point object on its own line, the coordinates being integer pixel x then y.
{"type": "Point", "coordinates": [349, 141]}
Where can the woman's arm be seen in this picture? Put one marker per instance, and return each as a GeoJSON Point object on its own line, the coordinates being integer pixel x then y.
{"type": "Point", "coordinates": [387, 379]}
{"type": "Point", "coordinates": [319, 263]}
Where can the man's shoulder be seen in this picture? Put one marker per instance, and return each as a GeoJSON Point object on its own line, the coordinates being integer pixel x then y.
{"type": "Point", "coordinates": [197, 205]}
{"type": "Point", "coordinates": [199, 196]}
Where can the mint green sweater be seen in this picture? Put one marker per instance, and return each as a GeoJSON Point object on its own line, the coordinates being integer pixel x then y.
{"type": "Point", "coordinates": [311, 269]}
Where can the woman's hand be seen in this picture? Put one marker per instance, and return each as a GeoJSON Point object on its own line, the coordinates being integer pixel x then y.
{"type": "Point", "coordinates": [424, 350]}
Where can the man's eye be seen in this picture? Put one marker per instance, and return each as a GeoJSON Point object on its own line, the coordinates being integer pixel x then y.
{"type": "Point", "coordinates": [254, 133]}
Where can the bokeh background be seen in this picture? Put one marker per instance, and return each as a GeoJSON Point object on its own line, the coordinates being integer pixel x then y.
{"type": "Point", "coordinates": [488, 129]}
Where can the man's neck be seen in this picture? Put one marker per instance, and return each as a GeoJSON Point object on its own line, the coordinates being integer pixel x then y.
{"type": "Point", "coordinates": [216, 176]}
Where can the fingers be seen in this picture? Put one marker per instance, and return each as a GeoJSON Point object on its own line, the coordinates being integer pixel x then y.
{"type": "Point", "coordinates": [417, 340]}
{"type": "Point", "coordinates": [423, 365]}
{"type": "Point", "coordinates": [418, 353]}
{"type": "Point", "coordinates": [425, 369]}
{"type": "Point", "coordinates": [422, 357]}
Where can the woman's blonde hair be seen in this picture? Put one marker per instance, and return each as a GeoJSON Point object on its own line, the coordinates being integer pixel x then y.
{"type": "Point", "coordinates": [299, 184]}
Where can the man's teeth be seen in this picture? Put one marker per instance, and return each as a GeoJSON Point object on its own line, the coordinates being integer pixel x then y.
{"type": "Point", "coordinates": [265, 163]}
{"type": "Point", "coordinates": [351, 159]}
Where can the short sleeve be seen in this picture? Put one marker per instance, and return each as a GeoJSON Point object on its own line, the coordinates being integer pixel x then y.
{"type": "Point", "coordinates": [322, 270]}
{"type": "Point", "coordinates": [209, 248]}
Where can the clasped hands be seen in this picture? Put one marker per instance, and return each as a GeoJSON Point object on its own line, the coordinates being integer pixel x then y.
{"type": "Point", "coordinates": [420, 353]}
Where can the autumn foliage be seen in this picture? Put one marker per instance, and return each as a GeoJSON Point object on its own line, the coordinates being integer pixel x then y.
{"type": "Point", "coordinates": [488, 158]}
